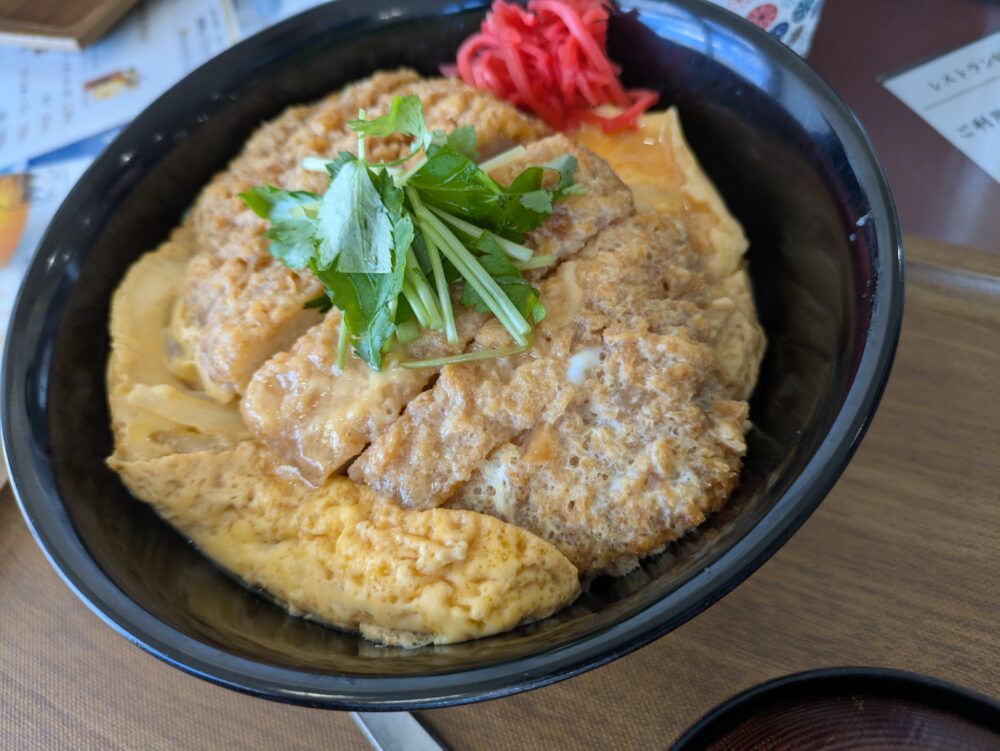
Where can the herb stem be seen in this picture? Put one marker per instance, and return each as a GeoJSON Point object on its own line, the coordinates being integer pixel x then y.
{"type": "Point", "coordinates": [512, 249]}
{"type": "Point", "coordinates": [361, 137]}
{"type": "Point", "coordinates": [444, 296]}
{"type": "Point", "coordinates": [481, 354]}
{"type": "Point", "coordinates": [342, 338]}
{"type": "Point", "coordinates": [314, 163]}
{"type": "Point", "coordinates": [402, 179]}
{"type": "Point", "coordinates": [467, 273]}
{"type": "Point", "coordinates": [536, 262]}
{"type": "Point", "coordinates": [423, 289]}
{"type": "Point", "coordinates": [416, 305]}
{"type": "Point", "coordinates": [501, 160]}
{"type": "Point", "coordinates": [484, 284]}
{"type": "Point", "coordinates": [407, 331]}
{"type": "Point", "coordinates": [473, 272]}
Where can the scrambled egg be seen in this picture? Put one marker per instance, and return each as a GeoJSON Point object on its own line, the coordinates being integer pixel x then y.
{"type": "Point", "coordinates": [337, 552]}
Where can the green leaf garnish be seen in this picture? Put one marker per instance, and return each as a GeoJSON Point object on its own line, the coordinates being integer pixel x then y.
{"type": "Point", "coordinates": [463, 140]}
{"type": "Point", "coordinates": [518, 290]}
{"type": "Point", "coordinates": [279, 205]}
{"type": "Point", "coordinates": [333, 168]}
{"type": "Point", "coordinates": [452, 182]}
{"type": "Point", "coordinates": [322, 303]}
{"type": "Point", "coordinates": [293, 222]}
{"type": "Point", "coordinates": [539, 201]}
{"type": "Point", "coordinates": [405, 115]}
{"type": "Point", "coordinates": [566, 166]}
{"type": "Point", "coordinates": [366, 301]}
{"type": "Point", "coordinates": [354, 224]}
{"type": "Point", "coordinates": [388, 244]}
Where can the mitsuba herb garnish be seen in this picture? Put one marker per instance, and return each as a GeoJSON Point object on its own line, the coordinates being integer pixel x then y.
{"type": "Point", "coordinates": [389, 239]}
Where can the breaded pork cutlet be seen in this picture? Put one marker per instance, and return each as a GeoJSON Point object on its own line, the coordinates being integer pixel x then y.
{"type": "Point", "coordinates": [316, 418]}
{"type": "Point", "coordinates": [483, 495]}
{"type": "Point", "coordinates": [610, 437]}
{"type": "Point", "coordinates": [576, 220]}
{"type": "Point", "coordinates": [250, 302]}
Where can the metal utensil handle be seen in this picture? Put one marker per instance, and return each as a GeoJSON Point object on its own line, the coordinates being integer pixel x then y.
{"type": "Point", "coordinates": [395, 731]}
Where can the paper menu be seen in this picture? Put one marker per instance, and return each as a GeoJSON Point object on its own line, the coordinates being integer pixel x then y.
{"type": "Point", "coordinates": [59, 110]}
{"type": "Point", "coordinates": [958, 94]}
{"type": "Point", "coordinates": [50, 99]}
{"type": "Point", "coordinates": [56, 98]}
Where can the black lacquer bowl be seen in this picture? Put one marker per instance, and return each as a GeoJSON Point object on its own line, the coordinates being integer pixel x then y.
{"type": "Point", "coordinates": [849, 708]}
{"type": "Point", "coordinates": [826, 261]}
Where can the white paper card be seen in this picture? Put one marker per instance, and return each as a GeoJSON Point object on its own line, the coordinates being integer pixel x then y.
{"type": "Point", "coordinates": [958, 94]}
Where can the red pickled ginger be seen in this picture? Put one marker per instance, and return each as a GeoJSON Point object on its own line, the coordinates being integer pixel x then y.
{"type": "Point", "coordinates": [551, 59]}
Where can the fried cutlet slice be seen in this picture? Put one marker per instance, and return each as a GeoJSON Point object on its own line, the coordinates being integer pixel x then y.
{"type": "Point", "coordinates": [643, 452]}
{"type": "Point", "coordinates": [346, 557]}
{"type": "Point", "coordinates": [663, 173]}
{"type": "Point", "coordinates": [316, 418]}
{"type": "Point", "coordinates": [220, 223]}
{"type": "Point", "coordinates": [639, 273]}
{"type": "Point", "coordinates": [576, 220]}
{"type": "Point", "coordinates": [233, 313]}
{"type": "Point", "coordinates": [239, 306]}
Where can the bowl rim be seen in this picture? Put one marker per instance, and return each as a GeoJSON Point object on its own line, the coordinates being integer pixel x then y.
{"type": "Point", "coordinates": [904, 684]}
{"type": "Point", "coordinates": [40, 504]}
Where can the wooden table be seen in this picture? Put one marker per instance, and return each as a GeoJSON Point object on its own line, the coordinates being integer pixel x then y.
{"type": "Point", "coordinates": [900, 567]}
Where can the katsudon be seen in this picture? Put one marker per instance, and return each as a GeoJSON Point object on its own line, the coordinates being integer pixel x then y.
{"type": "Point", "coordinates": [420, 367]}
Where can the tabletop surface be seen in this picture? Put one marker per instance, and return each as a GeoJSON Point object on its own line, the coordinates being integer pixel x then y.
{"type": "Point", "coordinates": [898, 568]}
